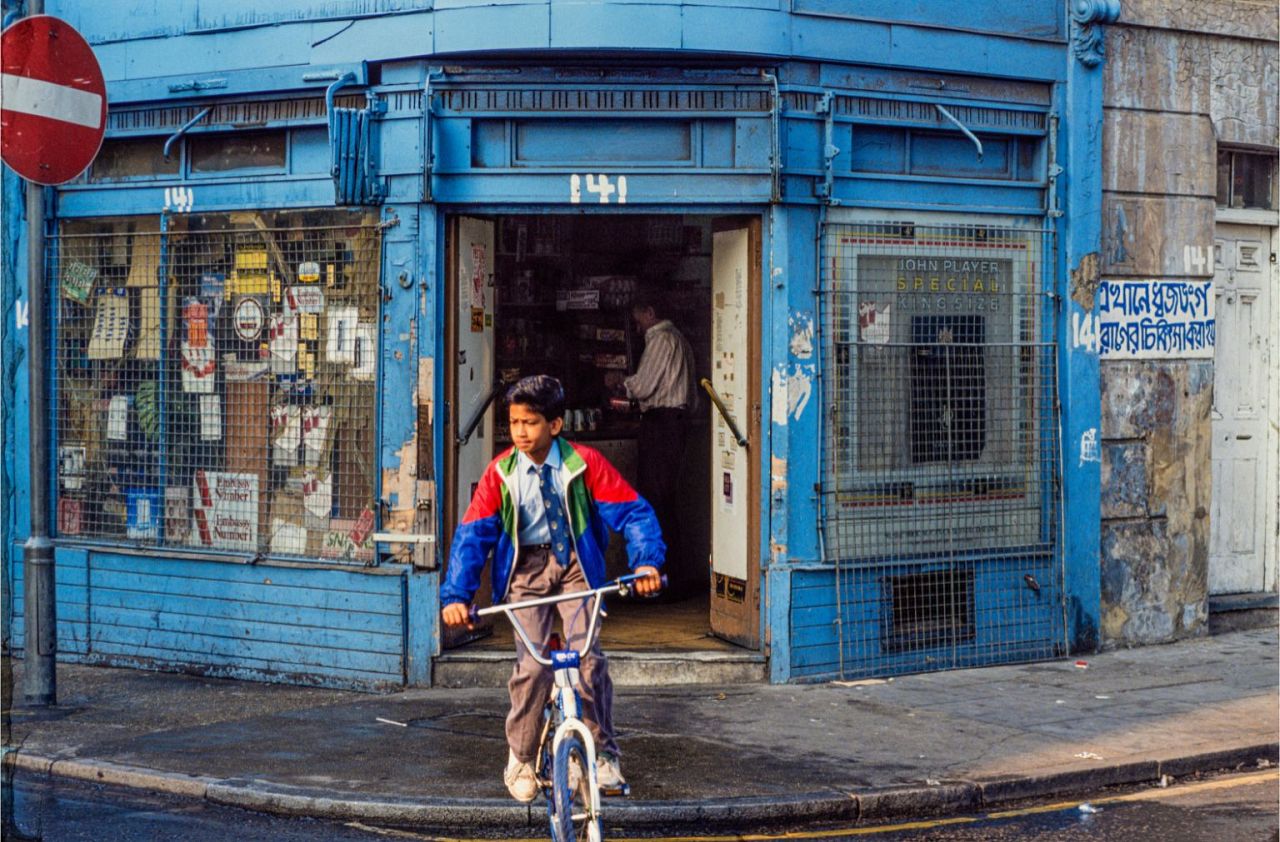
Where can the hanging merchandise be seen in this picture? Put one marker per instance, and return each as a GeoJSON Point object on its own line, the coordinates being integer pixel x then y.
{"type": "Point", "coordinates": [317, 494]}
{"type": "Point", "coordinates": [195, 319]}
{"type": "Point", "coordinates": [282, 341]}
{"type": "Point", "coordinates": [210, 418]}
{"type": "Point", "coordinates": [147, 403]}
{"type": "Point", "coordinates": [199, 365]}
{"type": "Point", "coordinates": [78, 280]}
{"type": "Point", "coordinates": [143, 518]}
{"type": "Point", "coordinates": [177, 514]}
{"type": "Point", "coordinates": [366, 351]}
{"type": "Point", "coordinates": [148, 344]}
{"type": "Point", "coordinates": [286, 431]}
{"type": "Point", "coordinates": [315, 426]}
{"type": "Point", "coordinates": [118, 418]}
{"type": "Point", "coordinates": [248, 318]}
{"type": "Point", "coordinates": [341, 339]}
{"type": "Point", "coordinates": [110, 325]}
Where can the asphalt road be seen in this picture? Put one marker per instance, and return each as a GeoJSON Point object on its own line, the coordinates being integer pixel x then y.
{"type": "Point", "coordinates": [1240, 808]}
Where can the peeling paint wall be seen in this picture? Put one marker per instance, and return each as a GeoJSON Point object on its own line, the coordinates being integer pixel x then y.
{"type": "Point", "coordinates": [1180, 78]}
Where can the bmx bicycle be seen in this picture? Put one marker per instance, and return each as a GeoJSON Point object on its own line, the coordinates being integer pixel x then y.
{"type": "Point", "coordinates": [565, 765]}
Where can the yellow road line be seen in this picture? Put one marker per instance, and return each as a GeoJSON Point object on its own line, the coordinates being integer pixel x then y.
{"type": "Point", "coordinates": [1144, 795]}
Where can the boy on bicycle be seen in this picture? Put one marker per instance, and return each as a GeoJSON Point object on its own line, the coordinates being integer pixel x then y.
{"type": "Point", "coordinates": [544, 508]}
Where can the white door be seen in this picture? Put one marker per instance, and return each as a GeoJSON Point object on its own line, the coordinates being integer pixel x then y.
{"type": "Point", "coordinates": [1244, 291]}
{"type": "Point", "coordinates": [735, 580]}
{"type": "Point", "coordinates": [474, 354]}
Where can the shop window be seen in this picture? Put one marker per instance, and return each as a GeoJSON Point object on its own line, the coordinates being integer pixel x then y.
{"type": "Point", "coordinates": [1246, 179]}
{"type": "Point", "coordinates": [215, 153]}
{"type": "Point", "coordinates": [133, 158]}
{"type": "Point", "coordinates": [942, 435]}
{"type": "Point", "coordinates": [215, 384]}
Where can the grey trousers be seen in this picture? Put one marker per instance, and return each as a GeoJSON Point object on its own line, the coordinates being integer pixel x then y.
{"type": "Point", "coordinates": [538, 574]}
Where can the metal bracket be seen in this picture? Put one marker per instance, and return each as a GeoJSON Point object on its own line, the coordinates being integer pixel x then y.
{"type": "Point", "coordinates": [474, 421]}
{"type": "Point", "coordinates": [826, 190]}
{"type": "Point", "coordinates": [428, 134]}
{"type": "Point", "coordinates": [962, 127]}
{"type": "Point", "coordinates": [168, 144]}
{"type": "Point", "coordinates": [422, 545]}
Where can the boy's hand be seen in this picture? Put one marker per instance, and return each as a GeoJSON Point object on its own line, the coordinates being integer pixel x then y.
{"type": "Point", "coordinates": [457, 614]}
{"type": "Point", "coordinates": [650, 584]}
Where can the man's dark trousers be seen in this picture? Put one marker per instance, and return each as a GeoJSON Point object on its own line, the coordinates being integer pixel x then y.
{"type": "Point", "coordinates": [663, 433]}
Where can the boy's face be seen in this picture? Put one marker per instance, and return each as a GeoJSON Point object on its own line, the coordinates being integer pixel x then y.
{"type": "Point", "coordinates": [531, 432]}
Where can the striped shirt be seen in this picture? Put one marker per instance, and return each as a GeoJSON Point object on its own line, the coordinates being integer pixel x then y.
{"type": "Point", "coordinates": [665, 378]}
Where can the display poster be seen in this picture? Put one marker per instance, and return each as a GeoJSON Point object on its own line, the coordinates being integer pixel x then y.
{"type": "Point", "coordinates": [225, 510]}
{"type": "Point", "coordinates": [1147, 319]}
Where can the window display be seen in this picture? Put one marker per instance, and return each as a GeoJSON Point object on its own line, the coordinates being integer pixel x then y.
{"type": "Point", "coordinates": [215, 382]}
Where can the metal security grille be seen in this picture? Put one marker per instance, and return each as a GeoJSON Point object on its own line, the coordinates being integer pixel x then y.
{"type": "Point", "coordinates": [940, 490]}
{"type": "Point", "coordinates": [215, 381]}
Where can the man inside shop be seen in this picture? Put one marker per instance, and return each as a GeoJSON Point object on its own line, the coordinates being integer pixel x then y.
{"type": "Point", "coordinates": [665, 387]}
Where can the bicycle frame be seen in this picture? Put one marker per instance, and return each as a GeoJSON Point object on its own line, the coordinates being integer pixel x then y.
{"type": "Point", "coordinates": [564, 664]}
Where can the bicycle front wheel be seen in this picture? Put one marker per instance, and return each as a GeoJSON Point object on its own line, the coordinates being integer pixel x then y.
{"type": "Point", "coordinates": [573, 819]}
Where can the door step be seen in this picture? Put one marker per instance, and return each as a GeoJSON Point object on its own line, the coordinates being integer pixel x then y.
{"type": "Point", "coordinates": [627, 669]}
{"type": "Point", "coordinates": [1238, 612]}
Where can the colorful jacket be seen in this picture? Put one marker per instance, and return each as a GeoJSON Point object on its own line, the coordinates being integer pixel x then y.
{"type": "Point", "coordinates": [597, 499]}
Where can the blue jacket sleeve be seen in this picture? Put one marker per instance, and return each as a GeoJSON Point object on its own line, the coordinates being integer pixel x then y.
{"type": "Point", "coordinates": [472, 543]}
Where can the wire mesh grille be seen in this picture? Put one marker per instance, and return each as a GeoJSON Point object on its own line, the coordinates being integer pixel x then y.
{"type": "Point", "coordinates": [215, 381]}
{"type": "Point", "coordinates": [940, 489]}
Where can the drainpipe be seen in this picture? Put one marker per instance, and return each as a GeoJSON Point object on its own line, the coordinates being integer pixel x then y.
{"type": "Point", "coordinates": [39, 585]}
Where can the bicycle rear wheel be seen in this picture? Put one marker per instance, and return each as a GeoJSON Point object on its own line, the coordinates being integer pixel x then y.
{"type": "Point", "coordinates": [572, 819]}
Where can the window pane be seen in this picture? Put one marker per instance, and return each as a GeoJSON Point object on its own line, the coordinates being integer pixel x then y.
{"type": "Point", "coordinates": [134, 158]}
{"type": "Point", "coordinates": [222, 152]}
{"type": "Point", "coordinates": [1254, 181]}
{"type": "Point", "coordinates": [1224, 179]}
{"type": "Point", "coordinates": [224, 400]}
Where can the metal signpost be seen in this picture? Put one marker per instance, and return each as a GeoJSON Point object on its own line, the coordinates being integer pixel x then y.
{"type": "Point", "coordinates": [53, 114]}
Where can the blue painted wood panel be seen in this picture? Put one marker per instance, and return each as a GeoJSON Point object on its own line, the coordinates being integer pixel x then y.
{"type": "Point", "coordinates": [307, 625]}
{"type": "Point", "coordinates": [71, 574]}
{"type": "Point", "coordinates": [1029, 18]}
{"type": "Point", "coordinates": [1010, 622]}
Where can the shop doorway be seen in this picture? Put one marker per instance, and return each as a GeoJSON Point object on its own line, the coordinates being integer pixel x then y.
{"type": "Point", "coordinates": [530, 294]}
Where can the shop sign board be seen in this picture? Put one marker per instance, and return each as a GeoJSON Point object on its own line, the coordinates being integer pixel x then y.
{"type": "Point", "coordinates": [53, 100]}
{"type": "Point", "coordinates": [1155, 319]}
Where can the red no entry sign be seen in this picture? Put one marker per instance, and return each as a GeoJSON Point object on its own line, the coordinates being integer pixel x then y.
{"type": "Point", "coordinates": [53, 101]}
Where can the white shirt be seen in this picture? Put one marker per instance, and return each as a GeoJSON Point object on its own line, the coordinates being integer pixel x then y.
{"type": "Point", "coordinates": [665, 377]}
{"type": "Point", "coordinates": [531, 518]}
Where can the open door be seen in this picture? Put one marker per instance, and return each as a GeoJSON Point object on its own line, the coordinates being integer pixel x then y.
{"type": "Point", "coordinates": [470, 376]}
{"type": "Point", "coordinates": [735, 431]}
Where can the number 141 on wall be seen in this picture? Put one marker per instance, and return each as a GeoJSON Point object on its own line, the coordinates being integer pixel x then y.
{"type": "Point", "coordinates": [600, 185]}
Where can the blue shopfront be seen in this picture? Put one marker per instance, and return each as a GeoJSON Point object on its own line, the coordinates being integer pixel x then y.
{"type": "Point", "coordinates": [285, 297]}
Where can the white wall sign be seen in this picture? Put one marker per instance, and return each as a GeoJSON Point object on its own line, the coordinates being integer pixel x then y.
{"type": "Point", "coordinates": [1145, 319]}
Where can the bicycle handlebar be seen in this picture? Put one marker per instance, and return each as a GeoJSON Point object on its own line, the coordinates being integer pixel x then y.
{"type": "Point", "coordinates": [619, 585]}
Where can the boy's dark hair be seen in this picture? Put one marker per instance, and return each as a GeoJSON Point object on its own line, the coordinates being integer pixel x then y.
{"type": "Point", "coordinates": [541, 393]}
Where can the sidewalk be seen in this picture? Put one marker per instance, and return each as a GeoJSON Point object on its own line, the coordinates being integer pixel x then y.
{"type": "Point", "coordinates": [917, 745]}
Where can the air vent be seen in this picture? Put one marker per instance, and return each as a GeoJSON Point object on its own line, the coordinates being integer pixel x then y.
{"type": "Point", "coordinates": [928, 610]}
{"type": "Point", "coordinates": [487, 100]}
{"type": "Point", "coordinates": [230, 113]}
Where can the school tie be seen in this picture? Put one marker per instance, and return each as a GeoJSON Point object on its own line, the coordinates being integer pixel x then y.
{"type": "Point", "coordinates": [560, 540]}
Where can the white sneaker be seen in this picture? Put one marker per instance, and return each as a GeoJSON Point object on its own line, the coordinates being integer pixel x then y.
{"type": "Point", "coordinates": [609, 771]}
{"type": "Point", "coordinates": [520, 780]}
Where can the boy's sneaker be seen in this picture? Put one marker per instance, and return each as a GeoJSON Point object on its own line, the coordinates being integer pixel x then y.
{"type": "Point", "coordinates": [520, 780]}
{"type": "Point", "coordinates": [609, 772]}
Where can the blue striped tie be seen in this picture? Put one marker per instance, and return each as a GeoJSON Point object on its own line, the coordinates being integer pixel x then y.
{"type": "Point", "coordinates": [560, 538]}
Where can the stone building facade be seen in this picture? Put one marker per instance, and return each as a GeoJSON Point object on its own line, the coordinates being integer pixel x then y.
{"type": "Point", "coordinates": [1190, 136]}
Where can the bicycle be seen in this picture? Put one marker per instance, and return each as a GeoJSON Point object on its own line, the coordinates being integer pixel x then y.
{"type": "Point", "coordinates": [565, 765]}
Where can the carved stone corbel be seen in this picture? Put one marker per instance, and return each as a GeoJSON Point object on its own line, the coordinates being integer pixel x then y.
{"type": "Point", "coordinates": [1087, 17]}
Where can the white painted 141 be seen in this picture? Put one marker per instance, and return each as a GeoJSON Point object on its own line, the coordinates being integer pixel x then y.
{"type": "Point", "coordinates": [1244, 484]}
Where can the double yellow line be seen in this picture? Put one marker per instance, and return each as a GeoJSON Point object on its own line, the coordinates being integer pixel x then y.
{"type": "Point", "coordinates": [1145, 795]}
